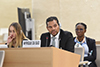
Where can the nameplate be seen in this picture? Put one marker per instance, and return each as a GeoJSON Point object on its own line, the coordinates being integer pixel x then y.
{"type": "Point", "coordinates": [31, 43]}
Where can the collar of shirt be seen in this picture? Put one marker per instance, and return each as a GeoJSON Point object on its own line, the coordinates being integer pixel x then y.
{"type": "Point", "coordinates": [77, 41]}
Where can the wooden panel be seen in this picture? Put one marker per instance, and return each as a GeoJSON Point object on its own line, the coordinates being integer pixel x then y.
{"type": "Point", "coordinates": [97, 42]}
{"type": "Point", "coordinates": [62, 58]}
{"type": "Point", "coordinates": [32, 57]}
{"type": "Point", "coordinates": [2, 43]}
{"type": "Point", "coordinates": [39, 57]}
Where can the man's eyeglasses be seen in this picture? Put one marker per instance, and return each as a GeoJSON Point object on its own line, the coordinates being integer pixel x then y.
{"type": "Point", "coordinates": [79, 29]}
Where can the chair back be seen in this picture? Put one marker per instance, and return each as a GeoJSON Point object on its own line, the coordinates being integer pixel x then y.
{"type": "Point", "coordinates": [2, 55]}
{"type": "Point", "coordinates": [98, 55]}
{"type": "Point", "coordinates": [80, 51]}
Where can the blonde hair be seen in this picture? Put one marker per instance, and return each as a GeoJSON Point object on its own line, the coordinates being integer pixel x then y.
{"type": "Point", "coordinates": [19, 35]}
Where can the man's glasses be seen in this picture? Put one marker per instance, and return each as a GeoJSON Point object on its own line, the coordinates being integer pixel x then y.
{"type": "Point", "coordinates": [79, 29]}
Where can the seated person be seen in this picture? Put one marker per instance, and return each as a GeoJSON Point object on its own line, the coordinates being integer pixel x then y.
{"type": "Point", "coordinates": [57, 37]}
{"type": "Point", "coordinates": [89, 44]}
{"type": "Point", "coordinates": [15, 35]}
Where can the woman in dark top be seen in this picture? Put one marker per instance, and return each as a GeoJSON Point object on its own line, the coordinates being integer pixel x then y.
{"type": "Point", "coordinates": [87, 43]}
{"type": "Point", "coordinates": [15, 35]}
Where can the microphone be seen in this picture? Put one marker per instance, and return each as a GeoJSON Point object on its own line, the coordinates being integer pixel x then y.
{"type": "Point", "coordinates": [46, 41]}
{"type": "Point", "coordinates": [51, 46]}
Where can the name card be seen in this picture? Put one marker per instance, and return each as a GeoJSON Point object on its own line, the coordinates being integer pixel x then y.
{"type": "Point", "coordinates": [31, 43]}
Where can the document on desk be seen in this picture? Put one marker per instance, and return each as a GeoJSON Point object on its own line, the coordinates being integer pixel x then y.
{"type": "Point", "coordinates": [31, 43]}
{"type": "Point", "coordinates": [3, 46]}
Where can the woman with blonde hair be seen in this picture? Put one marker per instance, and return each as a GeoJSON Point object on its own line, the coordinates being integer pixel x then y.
{"type": "Point", "coordinates": [15, 35]}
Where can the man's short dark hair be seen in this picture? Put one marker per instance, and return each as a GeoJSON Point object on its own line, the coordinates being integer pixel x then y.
{"type": "Point", "coordinates": [51, 19]}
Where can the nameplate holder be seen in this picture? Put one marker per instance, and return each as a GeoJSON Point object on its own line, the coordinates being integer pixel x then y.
{"type": "Point", "coordinates": [31, 43]}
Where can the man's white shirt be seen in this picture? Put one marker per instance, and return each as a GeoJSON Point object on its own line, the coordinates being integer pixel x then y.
{"type": "Point", "coordinates": [56, 40]}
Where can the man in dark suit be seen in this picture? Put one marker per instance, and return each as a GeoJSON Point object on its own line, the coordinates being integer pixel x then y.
{"type": "Point", "coordinates": [63, 39]}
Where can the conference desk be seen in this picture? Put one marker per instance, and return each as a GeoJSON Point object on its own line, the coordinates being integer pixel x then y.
{"type": "Point", "coordinates": [39, 57]}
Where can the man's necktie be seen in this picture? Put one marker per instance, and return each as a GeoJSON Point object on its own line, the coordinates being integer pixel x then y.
{"type": "Point", "coordinates": [53, 41]}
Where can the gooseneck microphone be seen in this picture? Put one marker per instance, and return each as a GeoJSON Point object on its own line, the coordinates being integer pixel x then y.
{"type": "Point", "coordinates": [46, 41]}
{"type": "Point", "coordinates": [51, 46]}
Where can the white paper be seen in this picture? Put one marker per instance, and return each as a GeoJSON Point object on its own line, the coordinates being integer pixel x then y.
{"type": "Point", "coordinates": [3, 46]}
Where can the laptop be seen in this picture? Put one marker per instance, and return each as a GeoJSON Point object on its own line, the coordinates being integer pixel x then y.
{"type": "Point", "coordinates": [2, 55]}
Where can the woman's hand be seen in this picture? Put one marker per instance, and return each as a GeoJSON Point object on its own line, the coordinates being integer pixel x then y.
{"type": "Point", "coordinates": [10, 38]}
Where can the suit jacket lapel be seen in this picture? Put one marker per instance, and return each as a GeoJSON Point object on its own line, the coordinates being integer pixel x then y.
{"type": "Point", "coordinates": [88, 43]}
{"type": "Point", "coordinates": [74, 41]}
{"type": "Point", "coordinates": [49, 39]}
{"type": "Point", "coordinates": [60, 38]}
